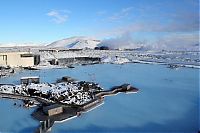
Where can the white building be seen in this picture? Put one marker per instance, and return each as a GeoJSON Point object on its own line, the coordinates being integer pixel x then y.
{"type": "Point", "coordinates": [16, 59]}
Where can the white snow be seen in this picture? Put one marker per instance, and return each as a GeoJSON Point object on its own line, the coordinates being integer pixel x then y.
{"type": "Point", "coordinates": [75, 43]}
{"type": "Point", "coordinates": [7, 89]}
{"type": "Point", "coordinates": [115, 60]}
{"type": "Point", "coordinates": [71, 92]}
{"type": "Point", "coordinates": [186, 58]}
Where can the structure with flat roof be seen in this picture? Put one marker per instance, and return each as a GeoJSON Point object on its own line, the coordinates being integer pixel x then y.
{"type": "Point", "coordinates": [18, 59]}
{"type": "Point", "coordinates": [53, 109]}
{"type": "Point", "coordinates": [28, 80]}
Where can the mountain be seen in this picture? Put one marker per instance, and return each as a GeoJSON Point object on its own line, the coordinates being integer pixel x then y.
{"type": "Point", "coordinates": [75, 43]}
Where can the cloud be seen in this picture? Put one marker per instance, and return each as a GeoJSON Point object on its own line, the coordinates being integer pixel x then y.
{"type": "Point", "coordinates": [118, 31]}
{"type": "Point", "coordinates": [163, 17]}
{"type": "Point", "coordinates": [180, 22]}
{"type": "Point", "coordinates": [177, 41]}
{"type": "Point", "coordinates": [100, 13]}
{"type": "Point", "coordinates": [123, 13]}
{"type": "Point", "coordinates": [59, 16]}
{"type": "Point", "coordinates": [172, 41]}
{"type": "Point", "coordinates": [175, 29]}
{"type": "Point", "coordinates": [187, 22]}
{"type": "Point", "coordinates": [184, 22]}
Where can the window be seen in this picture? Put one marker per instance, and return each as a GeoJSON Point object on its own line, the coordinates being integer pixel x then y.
{"type": "Point", "coordinates": [26, 55]}
{"type": "Point", "coordinates": [4, 57]}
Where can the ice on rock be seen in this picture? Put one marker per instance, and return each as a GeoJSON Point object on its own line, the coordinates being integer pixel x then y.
{"type": "Point", "coordinates": [72, 92]}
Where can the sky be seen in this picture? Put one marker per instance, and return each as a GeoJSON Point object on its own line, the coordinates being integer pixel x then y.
{"type": "Point", "coordinates": [151, 21]}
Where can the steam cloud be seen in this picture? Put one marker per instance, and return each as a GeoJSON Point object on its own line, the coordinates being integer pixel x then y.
{"type": "Point", "coordinates": [186, 41]}
{"type": "Point", "coordinates": [124, 41]}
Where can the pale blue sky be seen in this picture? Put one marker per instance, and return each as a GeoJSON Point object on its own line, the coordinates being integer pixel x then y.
{"type": "Point", "coordinates": [50, 20]}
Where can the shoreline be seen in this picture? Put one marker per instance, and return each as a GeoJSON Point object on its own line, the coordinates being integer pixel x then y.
{"type": "Point", "coordinates": [70, 118]}
{"type": "Point", "coordinates": [134, 62]}
{"type": "Point", "coordinates": [38, 68]}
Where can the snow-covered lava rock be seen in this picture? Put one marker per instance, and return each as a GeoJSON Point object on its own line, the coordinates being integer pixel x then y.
{"type": "Point", "coordinates": [76, 93]}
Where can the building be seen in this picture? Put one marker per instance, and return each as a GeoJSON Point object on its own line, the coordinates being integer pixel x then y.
{"type": "Point", "coordinates": [28, 80]}
{"type": "Point", "coordinates": [49, 50]}
{"type": "Point", "coordinates": [19, 59]}
{"type": "Point", "coordinates": [53, 109]}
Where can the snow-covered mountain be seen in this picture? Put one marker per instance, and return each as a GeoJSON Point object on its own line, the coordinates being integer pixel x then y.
{"type": "Point", "coordinates": [75, 43]}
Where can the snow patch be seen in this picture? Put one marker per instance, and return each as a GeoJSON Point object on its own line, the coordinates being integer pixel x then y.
{"type": "Point", "coordinates": [115, 60]}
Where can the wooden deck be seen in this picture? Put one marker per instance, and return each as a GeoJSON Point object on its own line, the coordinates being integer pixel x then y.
{"type": "Point", "coordinates": [126, 88]}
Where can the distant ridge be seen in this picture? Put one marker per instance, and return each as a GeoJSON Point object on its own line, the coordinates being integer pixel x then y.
{"type": "Point", "coordinates": [28, 44]}
{"type": "Point", "coordinates": [78, 42]}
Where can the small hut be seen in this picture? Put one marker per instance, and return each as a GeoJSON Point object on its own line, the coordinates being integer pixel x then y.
{"type": "Point", "coordinates": [28, 80]}
{"type": "Point", "coordinates": [53, 109]}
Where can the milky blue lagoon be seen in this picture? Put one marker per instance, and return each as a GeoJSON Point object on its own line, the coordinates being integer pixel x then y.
{"type": "Point", "coordinates": [168, 100]}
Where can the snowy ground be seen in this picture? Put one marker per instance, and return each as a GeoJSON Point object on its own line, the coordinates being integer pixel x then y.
{"type": "Point", "coordinates": [6, 71]}
{"type": "Point", "coordinates": [180, 58]}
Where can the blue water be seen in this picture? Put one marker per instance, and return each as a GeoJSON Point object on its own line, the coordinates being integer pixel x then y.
{"type": "Point", "coordinates": [14, 118]}
{"type": "Point", "coordinates": [168, 100]}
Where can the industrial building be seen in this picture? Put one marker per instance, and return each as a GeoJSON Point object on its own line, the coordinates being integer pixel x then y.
{"type": "Point", "coordinates": [19, 59]}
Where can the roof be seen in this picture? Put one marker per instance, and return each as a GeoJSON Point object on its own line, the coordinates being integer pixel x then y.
{"type": "Point", "coordinates": [53, 106]}
{"type": "Point", "coordinates": [5, 53]}
{"type": "Point", "coordinates": [31, 77]}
